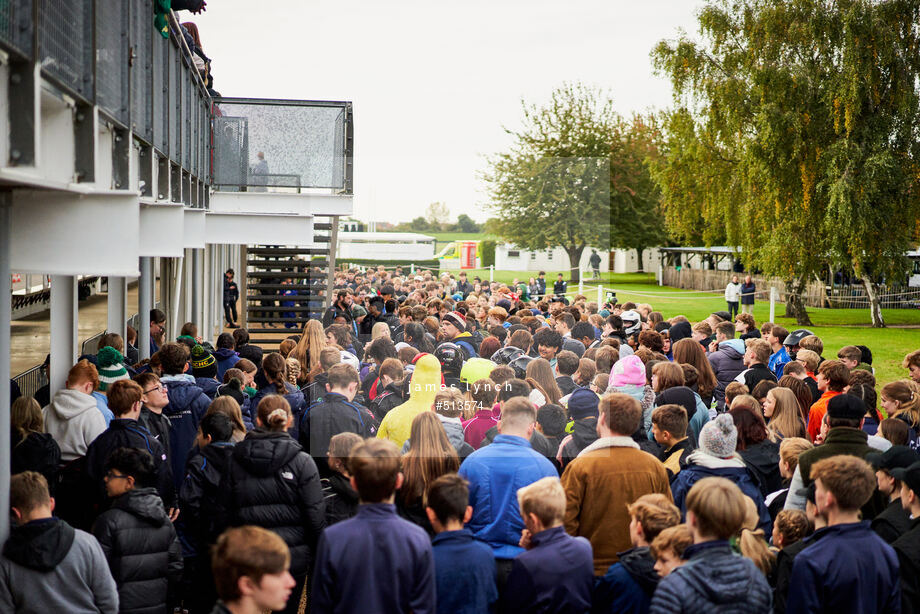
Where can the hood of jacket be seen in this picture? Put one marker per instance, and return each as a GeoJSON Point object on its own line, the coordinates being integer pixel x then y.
{"type": "Point", "coordinates": [143, 503]}
{"type": "Point", "coordinates": [263, 453]}
{"type": "Point", "coordinates": [585, 432]}
{"type": "Point", "coordinates": [41, 544]}
{"type": "Point", "coordinates": [454, 432]}
{"type": "Point", "coordinates": [764, 456]}
{"type": "Point", "coordinates": [644, 393]}
{"type": "Point", "coordinates": [425, 383]}
{"type": "Point", "coordinates": [224, 354]}
{"type": "Point", "coordinates": [181, 393]}
{"type": "Point", "coordinates": [716, 574]}
{"type": "Point", "coordinates": [640, 564]}
{"type": "Point", "coordinates": [341, 486]}
{"type": "Point", "coordinates": [68, 404]}
{"type": "Point", "coordinates": [678, 395]}
{"type": "Point", "coordinates": [732, 347]}
{"type": "Point", "coordinates": [704, 461]}
{"type": "Point", "coordinates": [679, 331]}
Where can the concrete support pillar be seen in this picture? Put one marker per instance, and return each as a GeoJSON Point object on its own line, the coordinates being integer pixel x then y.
{"type": "Point", "coordinates": [6, 314]}
{"type": "Point", "coordinates": [197, 284]}
{"type": "Point", "coordinates": [144, 304]}
{"type": "Point", "coordinates": [118, 306]}
{"type": "Point", "coordinates": [64, 346]}
{"type": "Point", "coordinates": [177, 314]}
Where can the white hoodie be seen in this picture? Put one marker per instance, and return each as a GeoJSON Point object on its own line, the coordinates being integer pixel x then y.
{"type": "Point", "coordinates": [74, 420]}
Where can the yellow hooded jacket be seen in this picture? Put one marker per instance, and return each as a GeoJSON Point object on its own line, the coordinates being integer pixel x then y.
{"type": "Point", "coordinates": [424, 385]}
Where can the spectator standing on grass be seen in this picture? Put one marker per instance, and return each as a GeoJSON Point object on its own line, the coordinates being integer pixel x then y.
{"type": "Point", "coordinates": [747, 295]}
{"type": "Point", "coordinates": [733, 296]}
{"type": "Point", "coordinates": [832, 377]}
{"type": "Point", "coordinates": [595, 262]}
{"type": "Point", "coordinates": [779, 356]}
{"type": "Point", "coordinates": [756, 357]}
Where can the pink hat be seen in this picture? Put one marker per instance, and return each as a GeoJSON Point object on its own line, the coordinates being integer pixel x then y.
{"type": "Point", "coordinates": [628, 370]}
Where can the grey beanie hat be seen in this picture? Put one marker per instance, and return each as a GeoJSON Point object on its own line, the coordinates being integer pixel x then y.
{"type": "Point", "coordinates": [719, 437]}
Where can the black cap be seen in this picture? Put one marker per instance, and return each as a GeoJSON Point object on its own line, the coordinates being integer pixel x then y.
{"type": "Point", "coordinates": [846, 407]}
{"type": "Point", "coordinates": [387, 289]}
{"type": "Point", "coordinates": [892, 458]}
{"type": "Point", "coordinates": [908, 475]}
{"type": "Point", "coordinates": [808, 492]}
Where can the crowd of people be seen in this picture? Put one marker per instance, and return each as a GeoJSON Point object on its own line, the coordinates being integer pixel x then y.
{"type": "Point", "coordinates": [439, 444]}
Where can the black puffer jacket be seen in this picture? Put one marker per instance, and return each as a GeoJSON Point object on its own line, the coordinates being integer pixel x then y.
{"type": "Point", "coordinates": [143, 551]}
{"type": "Point", "coordinates": [393, 395]}
{"type": "Point", "coordinates": [340, 498]}
{"type": "Point", "coordinates": [272, 483]}
{"type": "Point", "coordinates": [199, 496]}
{"type": "Point", "coordinates": [37, 452]}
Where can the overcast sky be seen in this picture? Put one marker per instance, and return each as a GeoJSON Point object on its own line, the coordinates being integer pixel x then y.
{"type": "Point", "coordinates": [434, 82]}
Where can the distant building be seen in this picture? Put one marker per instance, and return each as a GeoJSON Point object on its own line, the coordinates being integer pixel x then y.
{"type": "Point", "coordinates": [512, 258]}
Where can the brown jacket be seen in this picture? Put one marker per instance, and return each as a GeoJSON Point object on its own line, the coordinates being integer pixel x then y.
{"type": "Point", "coordinates": [607, 476]}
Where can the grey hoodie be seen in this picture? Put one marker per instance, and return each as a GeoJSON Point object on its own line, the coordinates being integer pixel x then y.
{"type": "Point", "coordinates": [48, 566]}
{"type": "Point", "coordinates": [74, 420]}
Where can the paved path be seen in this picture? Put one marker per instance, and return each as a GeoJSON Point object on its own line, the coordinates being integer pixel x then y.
{"type": "Point", "coordinates": [31, 336]}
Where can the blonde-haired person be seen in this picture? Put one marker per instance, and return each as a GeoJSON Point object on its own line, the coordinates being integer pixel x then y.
{"type": "Point", "coordinates": [430, 455]}
{"type": "Point", "coordinates": [31, 448]}
{"type": "Point", "coordinates": [555, 574]}
{"type": "Point", "coordinates": [274, 484]}
{"type": "Point", "coordinates": [541, 372]}
{"type": "Point", "coordinates": [307, 351]}
{"type": "Point", "coordinates": [783, 414]}
{"type": "Point", "coordinates": [752, 543]}
{"type": "Point", "coordinates": [380, 329]}
{"type": "Point", "coordinates": [901, 400]}
{"type": "Point", "coordinates": [789, 450]}
{"type": "Point", "coordinates": [340, 498]}
{"type": "Point", "coordinates": [618, 590]}
{"type": "Point", "coordinates": [715, 512]}
{"type": "Point", "coordinates": [228, 406]}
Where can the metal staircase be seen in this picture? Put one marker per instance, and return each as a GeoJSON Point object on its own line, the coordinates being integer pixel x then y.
{"type": "Point", "coordinates": [285, 287]}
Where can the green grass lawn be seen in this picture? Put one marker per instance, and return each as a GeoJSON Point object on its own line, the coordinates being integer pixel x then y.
{"type": "Point", "coordinates": [836, 327]}
{"type": "Point", "coordinates": [443, 238]}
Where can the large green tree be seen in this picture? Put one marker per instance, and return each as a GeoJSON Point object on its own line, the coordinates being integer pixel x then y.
{"type": "Point", "coordinates": [795, 136]}
{"type": "Point", "coordinates": [574, 167]}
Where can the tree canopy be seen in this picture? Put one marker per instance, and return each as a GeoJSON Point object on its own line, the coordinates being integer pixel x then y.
{"type": "Point", "coordinates": [574, 167]}
{"type": "Point", "coordinates": [795, 136]}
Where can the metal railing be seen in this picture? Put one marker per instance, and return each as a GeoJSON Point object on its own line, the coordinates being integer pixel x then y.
{"type": "Point", "coordinates": [108, 53]}
{"type": "Point", "coordinates": [30, 381]}
{"type": "Point", "coordinates": [264, 144]}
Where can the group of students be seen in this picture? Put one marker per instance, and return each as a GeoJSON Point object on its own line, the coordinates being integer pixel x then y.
{"type": "Point", "coordinates": [516, 457]}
